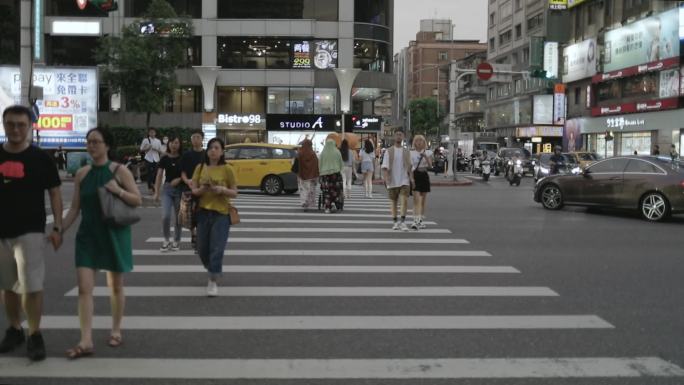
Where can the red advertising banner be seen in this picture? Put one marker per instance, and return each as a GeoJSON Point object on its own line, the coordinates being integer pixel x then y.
{"type": "Point", "coordinates": [629, 108]}
{"type": "Point", "coordinates": [635, 70]}
{"type": "Point", "coordinates": [55, 123]}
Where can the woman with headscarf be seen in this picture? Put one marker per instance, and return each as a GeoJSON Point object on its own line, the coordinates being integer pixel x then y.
{"type": "Point", "coordinates": [330, 169]}
{"type": "Point", "coordinates": [307, 174]}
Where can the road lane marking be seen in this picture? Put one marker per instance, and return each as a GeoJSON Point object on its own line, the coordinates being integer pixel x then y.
{"type": "Point", "coordinates": [299, 208]}
{"type": "Point", "coordinates": [331, 269]}
{"type": "Point", "coordinates": [331, 240]}
{"type": "Point", "coordinates": [325, 221]}
{"type": "Point", "coordinates": [331, 369]}
{"type": "Point", "coordinates": [338, 230]}
{"type": "Point", "coordinates": [329, 253]}
{"type": "Point", "coordinates": [469, 322]}
{"type": "Point", "coordinates": [324, 291]}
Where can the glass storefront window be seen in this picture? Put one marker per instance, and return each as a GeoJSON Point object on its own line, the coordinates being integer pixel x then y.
{"type": "Point", "coordinates": [136, 8]}
{"type": "Point", "coordinates": [371, 56]}
{"type": "Point", "coordinates": [466, 106]}
{"type": "Point", "coordinates": [301, 101]}
{"type": "Point", "coordinates": [636, 141]}
{"type": "Point", "coordinates": [185, 99]}
{"type": "Point", "coordinates": [325, 101]}
{"type": "Point", "coordinates": [276, 53]}
{"type": "Point", "coordinates": [70, 50]}
{"type": "Point", "coordinates": [601, 146]}
{"type": "Point", "coordinates": [372, 11]}
{"type": "Point", "coordinates": [644, 85]}
{"type": "Point", "coordinates": [323, 10]}
{"type": "Point", "coordinates": [278, 99]}
{"type": "Point", "coordinates": [241, 100]}
{"type": "Point", "coordinates": [9, 39]}
{"type": "Point", "coordinates": [69, 8]}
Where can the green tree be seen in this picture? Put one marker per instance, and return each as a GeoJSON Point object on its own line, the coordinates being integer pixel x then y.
{"type": "Point", "coordinates": [426, 115]}
{"type": "Point", "coordinates": [141, 65]}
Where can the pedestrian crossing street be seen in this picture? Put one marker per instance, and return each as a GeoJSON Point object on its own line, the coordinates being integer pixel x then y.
{"type": "Point", "coordinates": [311, 296]}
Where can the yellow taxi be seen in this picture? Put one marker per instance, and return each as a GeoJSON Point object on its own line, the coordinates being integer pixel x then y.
{"type": "Point", "coordinates": [583, 158]}
{"type": "Point", "coordinates": [267, 167]}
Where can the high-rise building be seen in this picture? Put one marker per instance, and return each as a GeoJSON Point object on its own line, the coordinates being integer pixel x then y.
{"type": "Point", "coordinates": [423, 67]}
{"type": "Point", "coordinates": [622, 72]}
{"type": "Point", "coordinates": [274, 57]}
{"type": "Point", "coordinates": [511, 103]}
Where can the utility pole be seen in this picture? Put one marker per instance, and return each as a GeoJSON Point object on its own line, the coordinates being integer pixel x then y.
{"type": "Point", "coordinates": [26, 49]}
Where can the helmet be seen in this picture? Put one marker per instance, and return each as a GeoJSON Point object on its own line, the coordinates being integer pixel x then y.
{"type": "Point", "coordinates": [558, 148]}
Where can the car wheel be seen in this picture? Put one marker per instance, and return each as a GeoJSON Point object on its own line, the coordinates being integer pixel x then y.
{"type": "Point", "coordinates": [552, 197]}
{"type": "Point", "coordinates": [654, 207]}
{"type": "Point", "coordinates": [272, 185]}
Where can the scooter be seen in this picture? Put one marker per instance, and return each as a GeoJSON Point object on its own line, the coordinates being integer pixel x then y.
{"type": "Point", "coordinates": [515, 172]}
{"type": "Point", "coordinates": [477, 166]}
{"type": "Point", "coordinates": [486, 169]}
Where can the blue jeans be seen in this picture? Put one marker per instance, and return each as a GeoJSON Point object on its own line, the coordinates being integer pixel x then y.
{"type": "Point", "coordinates": [170, 200]}
{"type": "Point", "coordinates": [212, 236]}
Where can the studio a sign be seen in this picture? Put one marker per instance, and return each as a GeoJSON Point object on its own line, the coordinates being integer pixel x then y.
{"type": "Point", "coordinates": [283, 122]}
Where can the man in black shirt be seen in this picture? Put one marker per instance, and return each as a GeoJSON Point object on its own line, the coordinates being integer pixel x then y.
{"type": "Point", "coordinates": [556, 160]}
{"type": "Point", "coordinates": [25, 173]}
{"type": "Point", "coordinates": [190, 160]}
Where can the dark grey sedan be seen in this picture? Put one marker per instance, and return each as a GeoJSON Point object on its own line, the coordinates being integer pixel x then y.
{"type": "Point", "coordinates": [653, 186]}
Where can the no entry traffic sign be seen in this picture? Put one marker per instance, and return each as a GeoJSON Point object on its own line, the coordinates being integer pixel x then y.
{"type": "Point", "coordinates": [485, 71]}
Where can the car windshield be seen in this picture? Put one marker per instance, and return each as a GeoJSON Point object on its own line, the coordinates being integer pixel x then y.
{"type": "Point", "coordinates": [546, 157]}
{"type": "Point", "coordinates": [587, 156]}
{"type": "Point", "coordinates": [509, 153]}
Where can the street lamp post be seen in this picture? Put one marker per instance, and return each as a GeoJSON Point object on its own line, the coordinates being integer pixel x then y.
{"type": "Point", "coordinates": [345, 80]}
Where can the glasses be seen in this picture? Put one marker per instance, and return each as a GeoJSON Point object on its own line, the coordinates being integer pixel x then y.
{"type": "Point", "coordinates": [15, 125]}
{"type": "Point", "coordinates": [94, 142]}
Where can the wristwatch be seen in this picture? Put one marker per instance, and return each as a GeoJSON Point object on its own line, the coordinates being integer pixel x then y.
{"type": "Point", "coordinates": [57, 229]}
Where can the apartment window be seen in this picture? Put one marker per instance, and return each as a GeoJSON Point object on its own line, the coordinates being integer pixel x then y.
{"type": "Point", "coordinates": [283, 100]}
{"type": "Point", "coordinates": [505, 37]}
{"type": "Point", "coordinates": [185, 99]}
{"type": "Point", "coordinates": [526, 55]}
{"type": "Point", "coordinates": [492, 19]}
{"type": "Point", "coordinates": [578, 95]}
{"type": "Point", "coordinates": [491, 93]}
{"type": "Point", "coordinates": [506, 10]}
{"type": "Point", "coordinates": [591, 14]}
{"type": "Point", "coordinates": [243, 100]}
{"type": "Point", "coordinates": [518, 31]}
{"type": "Point", "coordinates": [535, 21]}
{"type": "Point", "coordinates": [514, 58]}
{"type": "Point", "coordinates": [492, 44]}
{"type": "Point", "coordinates": [518, 86]}
{"type": "Point", "coordinates": [518, 5]}
{"type": "Point", "coordinates": [323, 10]}
{"type": "Point", "coordinates": [443, 56]}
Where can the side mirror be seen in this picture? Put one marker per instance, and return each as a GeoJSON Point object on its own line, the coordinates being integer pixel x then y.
{"type": "Point", "coordinates": [586, 172]}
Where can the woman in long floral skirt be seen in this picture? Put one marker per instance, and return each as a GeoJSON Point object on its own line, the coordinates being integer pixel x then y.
{"type": "Point", "coordinates": [330, 170]}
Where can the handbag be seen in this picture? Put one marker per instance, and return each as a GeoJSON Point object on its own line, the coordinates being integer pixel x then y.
{"type": "Point", "coordinates": [234, 216]}
{"type": "Point", "coordinates": [116, 212]}
{"type": "Point", "coordinates": [187, 212]}
{"type": "Point", "coordinates": [295, 166]}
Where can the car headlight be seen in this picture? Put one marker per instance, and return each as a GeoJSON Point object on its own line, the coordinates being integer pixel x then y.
{"type": "Point", "coordinates": [576, 170]}
{"type": "Point", "coordinates": [518, 162]}
{"type": "Point", "coordinates": [544, 170]}
{"type": "Point", "coordinates": [510, 163]}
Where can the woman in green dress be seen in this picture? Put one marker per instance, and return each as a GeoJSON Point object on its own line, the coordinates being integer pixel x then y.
{"type": "Point", "coordinates": [98, 245]}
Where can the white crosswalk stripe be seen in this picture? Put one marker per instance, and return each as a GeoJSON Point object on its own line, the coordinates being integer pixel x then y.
{"type": "Point", "coordinates": [347, 260]}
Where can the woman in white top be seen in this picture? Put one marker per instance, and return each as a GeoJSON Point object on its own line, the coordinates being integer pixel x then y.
{"type": "Point", "coordinates": [348, 157]}
{"type": "Point", "coordinates": [421, 161]}
{"type": "Point", "coordinates": [367, 156]}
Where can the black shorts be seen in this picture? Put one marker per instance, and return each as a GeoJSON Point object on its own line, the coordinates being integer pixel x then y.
{"type": "Point", "coordinates": [422, 181]}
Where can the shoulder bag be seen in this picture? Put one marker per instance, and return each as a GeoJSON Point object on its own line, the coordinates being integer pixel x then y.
{"type": "Point", "coordinates": [116, 212]}
{"type": "Point", "coordinates": [295, 166]}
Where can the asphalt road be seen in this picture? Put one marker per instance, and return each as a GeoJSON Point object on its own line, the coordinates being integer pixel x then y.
{"type": "Point", "coordinates": [568, 297]}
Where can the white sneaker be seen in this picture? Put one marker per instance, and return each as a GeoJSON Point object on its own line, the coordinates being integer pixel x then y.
{"type": "Point", "coordinates": [414, 225]}
{"type": "Point", "coordinates": [212, 289]}
{"type": "Point", "coordinates": [403, 227]}
{"type": "Point", "coordinates": [396, 226]}
{"type": "Point", "coordinates": [175, 246]}
{"type": "Point", "coordinates": [421, 225]}
{"type": "Point", "coordinates": [327, 211]}
{"type": "Point", "coordinates": [165, 247]}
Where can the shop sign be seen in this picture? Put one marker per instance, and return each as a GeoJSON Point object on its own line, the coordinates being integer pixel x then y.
{"type": "Point", "coordinates": [645, 41]}
{"type": "Point", "coordinates": [635, 70]}
{"type": "Point", "coordinates": [559, 104]}
{"type": "Point", "coordinates": [551, 59]}
{"type": "Point", "coordinates": [536, 52]}
{"type": "Point", "coordinates": [209, 131]}
{"type": "Point", "coordinates": [284, 122]}
{"type": "Point", "coordinates": [542, 109]}
{"type": "Point", "coordinates": [579, 61]}
{"type": "Point", "coordinates": [625, 108]}
{"type": "Point", "coordinates": [314, 54]}
{"type": "Point", "coordinates": [669, 83]}
{"type": "Point", "coordinates": [622, 122]}
{"type": "Point", "coordinates": [69, 105]}
{"type": "Point", "coordinates": [539, 131]}
{"type": "Point", "coordinates": [364, 123]}
{"type": "Point", "coordinates": [558, 4]}
{"type": "Point", "coordinates": [240, 119]}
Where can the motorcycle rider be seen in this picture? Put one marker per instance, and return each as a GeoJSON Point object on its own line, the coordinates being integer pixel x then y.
{"type": "Point", "coordinates": [556, 161]}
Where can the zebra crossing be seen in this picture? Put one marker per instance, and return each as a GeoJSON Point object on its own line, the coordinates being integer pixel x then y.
{"type": "Point", "coordinates": [305, 282]}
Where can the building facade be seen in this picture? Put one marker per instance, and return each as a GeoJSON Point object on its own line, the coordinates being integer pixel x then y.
{"type": "Point", "coordinates": [274, 60]}
{"type": "Point", "coordinates": [623, 77]}
{"type": "Point", "coordinates": [511, 100]}
{"type": "Point", "coordinates": [467, 96]}
{"type": "Point", "coordinates": [422, 68]}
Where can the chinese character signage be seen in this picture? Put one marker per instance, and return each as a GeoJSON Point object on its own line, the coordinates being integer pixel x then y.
{"type": "Point", "coordinates": [69, 106]}
{"type": "Point", "coordinates": [645, 41]}
{"type": "Point", "coordinates": [559, 104]}
{"type": "Point", "coordinates": [551, 59]}
{"type": "Point", "coordinates": [558, 4]}
{"type": "Point", "coordinates": [542, 109]}
{"type": "Point", "coordinates": [314, 54]}
{"type": "Point", "coordinates": [574, 3]}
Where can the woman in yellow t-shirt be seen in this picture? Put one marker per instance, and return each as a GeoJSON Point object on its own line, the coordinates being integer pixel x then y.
{"type": "Point", "coordinates": [214, 183]}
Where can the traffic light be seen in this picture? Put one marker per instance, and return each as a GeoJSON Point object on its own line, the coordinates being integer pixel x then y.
{"type": "Point", "coordinates": [538, 73]}
{"type": "Point", "coordinates": [105, 6]}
